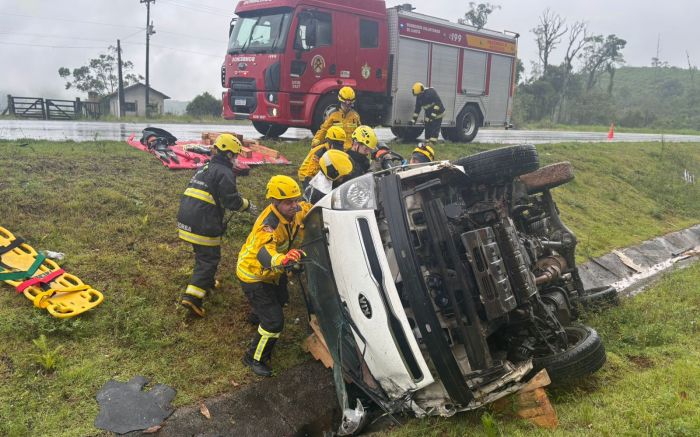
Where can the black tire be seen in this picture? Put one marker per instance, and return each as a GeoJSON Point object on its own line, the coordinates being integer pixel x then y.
{"type": "Point", "coordinates": [407, 134]}
{"type": "Point", "coordinates": [449, 134]}
{"type": "Point", "coordinates": [467, 125]}
{"type": "Point", "coordinates": [324, 107]}
{"type": "Point", "coordinates": [270, 130]}
{"type": "Point", "coordinates": [498, 164]}
{"type": "Point", "coordinates": [599, 298]}
{"type": "Point", "coordinates": [585, 355]}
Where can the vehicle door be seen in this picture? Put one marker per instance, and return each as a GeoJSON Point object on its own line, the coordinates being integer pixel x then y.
{"type": "Point", "coordinates": [314, 49]}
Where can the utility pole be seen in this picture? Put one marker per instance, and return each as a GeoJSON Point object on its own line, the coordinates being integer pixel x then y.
{"type": "Point", "coordinates": [120, 86]}
{"type": "Point", "coordinates": [149, 32]}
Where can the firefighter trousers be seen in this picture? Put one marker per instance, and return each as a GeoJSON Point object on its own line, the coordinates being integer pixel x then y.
{"type": "Point", "coordinates": [206, 261]}
{"type": "Point", "coordinates": [267, 301]}
{"type": "Point", "coordinates": [432, 130]}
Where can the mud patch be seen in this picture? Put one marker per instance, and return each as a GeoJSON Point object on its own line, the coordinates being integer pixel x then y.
{"type": "Point", "coordinates": [7, 367]}
{"type": "Point", "coordinates": [641, 361]}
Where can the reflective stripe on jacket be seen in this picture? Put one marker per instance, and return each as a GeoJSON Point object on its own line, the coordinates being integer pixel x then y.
{"type": "Point", "coordinates": [310, 166]}
{"type": "Point", "coordinates": [349, 122]}
{"type": "Point", "coordinates": [430, 102]}
{"type": "Point", "coordinates": [200, 219]}
{"type": "Point", "coordinates": [260, 258]}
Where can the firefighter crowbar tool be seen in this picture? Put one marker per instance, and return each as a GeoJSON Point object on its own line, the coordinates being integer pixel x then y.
{"type": "Point", "coordinates": [42, 281]}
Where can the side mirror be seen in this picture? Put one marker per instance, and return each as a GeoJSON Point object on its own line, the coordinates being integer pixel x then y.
{"type": "Point", "coordinates": [306, 32]}
{"type": "Point", "coordinates": [311, 33]}
{"type": "Point", "coordinates": [232, 25]}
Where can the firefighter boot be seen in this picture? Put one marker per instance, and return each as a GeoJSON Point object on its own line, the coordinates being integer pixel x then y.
{"type": "Point", "coordinates": [259, 355]}
{"type": "Point", "coordinates": [192, 300]}
{"type": "Point", "coordinates": [194, 304]}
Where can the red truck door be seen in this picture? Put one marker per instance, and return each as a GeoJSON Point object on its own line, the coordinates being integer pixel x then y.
{"type": "Point", "coordinates": [313, 63]}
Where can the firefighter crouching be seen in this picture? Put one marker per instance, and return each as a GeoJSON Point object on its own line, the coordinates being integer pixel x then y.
{"type": "Point", "coordinates": [345, 117]}
{"type": "Point", "coordinates": [262, 262]}
{"type": "Point", "coordinates": [364, 143]}
{"type": "Point", "coordinates": [335, 139]}
{"type": "Point", "coordinates": [428, 100]}
{"type": "Point", "coordinates": [422, 154]}
{"type": "Point", "coordinates": [200, 219]}
{"type": "Point", "coordinates": [336, 168]}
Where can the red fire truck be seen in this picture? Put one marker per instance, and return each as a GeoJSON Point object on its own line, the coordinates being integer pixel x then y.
{"type": "Point", "coordinates": [287, 59]}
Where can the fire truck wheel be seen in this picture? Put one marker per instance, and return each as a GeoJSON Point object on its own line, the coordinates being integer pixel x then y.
{"type": "Point", "coordinates": [467, 127]}
{"type": "Point", "coordinates": [270, 130]}
{"type": "Point", "coordinates": [502, 163]}
{"type": "Point", "coordinates": [407, 134]}
{"type": "Point", "coordinates": [325, 106]}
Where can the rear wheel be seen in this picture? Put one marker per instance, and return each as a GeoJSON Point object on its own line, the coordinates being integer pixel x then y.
{"type": "Point", "coordinates": [407, 134]}
{"type": "Point", "coordinates": [270, 130]}
{"type": "Point", "coordinates": [584, 355]}
{"type": "Point", "coordinates": [500, 164]}
{"type": "Point", "coordinates": [467, 127]}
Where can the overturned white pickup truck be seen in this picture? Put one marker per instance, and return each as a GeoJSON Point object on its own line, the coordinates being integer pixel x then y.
{"type": "Point", "coordinates": [439, 287]}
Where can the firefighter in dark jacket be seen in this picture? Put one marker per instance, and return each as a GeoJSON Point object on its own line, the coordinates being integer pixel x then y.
{"type": "Point", "coordinates": [263, 262]}
{"type": "Point", "coordinates": [200, 220]}
{"type": "Point", "coordinates": [364, 143]}
{"type": "Point", "coordinates": [427, 99]}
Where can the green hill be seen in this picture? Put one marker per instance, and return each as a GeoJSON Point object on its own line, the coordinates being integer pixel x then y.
{"type": "Point", "coordinates": [641, 97]}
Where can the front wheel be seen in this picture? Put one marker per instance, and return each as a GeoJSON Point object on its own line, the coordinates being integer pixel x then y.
{"type": "Point", "coordinates": [270, 130]}
{"type": "Point", "coordinates": [407, 134]}
{"type": "Point", "coordinates": [584, 355]}
{"type": "Point", "coordinates": [326, 106]}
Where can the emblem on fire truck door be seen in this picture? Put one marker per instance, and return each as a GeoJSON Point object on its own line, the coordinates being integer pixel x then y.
{"type": "Point", "coordinates": [318, 64]}
{"type": "Point", "coordinates": [366, 71]}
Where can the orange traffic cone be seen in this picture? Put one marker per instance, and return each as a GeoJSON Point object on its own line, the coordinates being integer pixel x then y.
{"type": "Point", "coordinates": [611, 132]}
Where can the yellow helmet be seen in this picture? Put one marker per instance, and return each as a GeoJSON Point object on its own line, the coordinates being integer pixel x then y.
{"type": "Point", "coordinates": [365, 135]}
{"type": "Point", "coordinates": [336, 133]}
{"type": "Point", "coordinates": [346, 94]}
{"type": "Point", "coordinates": [335, 164]}
{"type": "Point", "coordinates": [228, 143]}
{"type": "Point", "coordinates": [417, 88]}
{"type": "Point", "coordinates": [423, 153]}
{"type": "Point", "coordinates": [282, 187]}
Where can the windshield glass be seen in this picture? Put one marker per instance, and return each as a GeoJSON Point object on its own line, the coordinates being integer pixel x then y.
{"type": "Point", "coordinates": [266, 33]}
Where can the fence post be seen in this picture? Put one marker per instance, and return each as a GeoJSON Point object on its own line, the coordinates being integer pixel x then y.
{"type": "Point", "coordinates": [44, 108]}
{"type": "Point", "coordinates": [11, 104]}
{"type": "Point", "coordinates": [78, 108]}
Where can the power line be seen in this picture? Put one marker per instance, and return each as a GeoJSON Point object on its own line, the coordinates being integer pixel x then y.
{"type": "Point", "coordinates": [197, 7]}
{"type": "Point", "coordinates": [49, 46]}
{"type": "Point", "coordinates": [69, 20]}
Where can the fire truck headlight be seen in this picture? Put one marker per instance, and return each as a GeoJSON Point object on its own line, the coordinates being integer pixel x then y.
{"type": "Point", "coordinates": [272, 97]}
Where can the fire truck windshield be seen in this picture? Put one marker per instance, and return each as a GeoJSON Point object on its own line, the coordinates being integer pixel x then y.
{"type": "Point", "coordinates": [264, 33]}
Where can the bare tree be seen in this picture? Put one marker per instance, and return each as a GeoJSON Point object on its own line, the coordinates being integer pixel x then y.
{"type": "Point", "coordinates": [577, 41]}
{"type": "Point", "coordinates": [548, 35]}
{"type": "Point", "coordinates": [478, 15]}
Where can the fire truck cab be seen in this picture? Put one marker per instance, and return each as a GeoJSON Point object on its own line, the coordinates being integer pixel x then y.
{"type": "Point", "coordinates": [287, 59]}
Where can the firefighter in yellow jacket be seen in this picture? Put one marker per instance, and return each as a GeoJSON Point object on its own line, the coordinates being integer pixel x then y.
{"type": "Point", "coordinates": [335, 139]}
{"type": "Point", "coordinates": [262, 262]}
{"type": "Point", "coordinates": [345, 117]}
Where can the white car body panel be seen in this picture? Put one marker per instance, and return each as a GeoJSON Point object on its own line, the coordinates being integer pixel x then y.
{"type": "Point", "coordinates": [353, 277]}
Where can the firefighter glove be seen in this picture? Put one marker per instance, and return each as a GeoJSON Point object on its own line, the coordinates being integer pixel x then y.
{"type": "Point", "coordinates": [315, 142]}
{"type": "Point", "coordinates": [293, 256]}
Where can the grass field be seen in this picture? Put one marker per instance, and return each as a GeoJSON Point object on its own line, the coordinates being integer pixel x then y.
{"type": "Point", "coordinates": [112, 210]}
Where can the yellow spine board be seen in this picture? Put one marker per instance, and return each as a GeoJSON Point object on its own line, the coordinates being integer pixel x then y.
{"type": "Point", "coordinates": [67, 295]}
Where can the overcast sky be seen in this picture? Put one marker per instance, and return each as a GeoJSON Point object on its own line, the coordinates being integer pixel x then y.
{"type": "Point", "coordinates": [39, 36]}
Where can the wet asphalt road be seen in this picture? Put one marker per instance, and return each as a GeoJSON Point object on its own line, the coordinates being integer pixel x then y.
{"type": "Point", "coordinates": [92, 131]}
